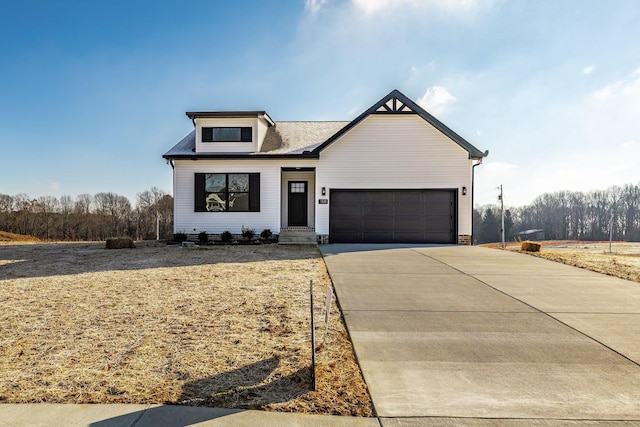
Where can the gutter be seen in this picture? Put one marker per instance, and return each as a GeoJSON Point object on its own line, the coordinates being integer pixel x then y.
{"type": "Point", "coordinates": [305, 155]}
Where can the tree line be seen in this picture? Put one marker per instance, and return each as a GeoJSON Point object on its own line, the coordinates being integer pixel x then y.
{"type": "Point", "coordinates": [567, 215]}
{"type": "Point", "coordinates": [88, 217]}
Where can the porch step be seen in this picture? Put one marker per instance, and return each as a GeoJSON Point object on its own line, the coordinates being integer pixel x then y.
{"type": "Point", "coordinates": [297, 237]}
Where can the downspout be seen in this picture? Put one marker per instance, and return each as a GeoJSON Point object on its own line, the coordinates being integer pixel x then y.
{"type": "Point", "coordinates": [473, 189]}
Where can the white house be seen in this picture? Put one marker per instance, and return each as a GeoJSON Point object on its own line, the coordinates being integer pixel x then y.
{"type": "Point", "coordinates": [393, 174]}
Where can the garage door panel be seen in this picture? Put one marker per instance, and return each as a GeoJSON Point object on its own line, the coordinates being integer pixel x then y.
{"type": "Point", "coordinates": [437, 210]}
{"type": "Point", "coordinates": [377, 225]}
{"type": "Point", "coordinates": [374, 197]}
{"type": "Point", "coordinates": [392, 216]}
{"type": "Point", "coordinates": [384, 210]}
{"type": "Point", "coordinates": [347, 225]}
{"type": "Point", "coordinates": [409, 225]}
{"type": "Point", "coordinates": [408, 237]}
{"type": "Point", "coordinates": [377, 237]}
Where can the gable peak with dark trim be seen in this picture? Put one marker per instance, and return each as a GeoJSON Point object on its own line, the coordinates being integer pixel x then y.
{"type": "Point", "coordinates": [398, 103]}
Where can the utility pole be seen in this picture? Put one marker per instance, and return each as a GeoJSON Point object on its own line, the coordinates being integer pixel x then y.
{"type": "Point", "coordinates": [611, 230]}
{"type": "Point", "coordinates": [504, 245]}
{"type": "Point", "coordinates": [157, 225]}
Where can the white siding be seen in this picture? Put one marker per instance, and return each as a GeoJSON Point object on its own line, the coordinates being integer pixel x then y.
{"type": "Point", "coordinates": [394, 152]}
{"type": "Point", "coordinates": [226, 147]}
{"type": "Point", "coordinates": [382, 152]}
{"type": "Point", "coordinates": [189, 221]}
{"type": "Point", "coordinates": [262, 132]}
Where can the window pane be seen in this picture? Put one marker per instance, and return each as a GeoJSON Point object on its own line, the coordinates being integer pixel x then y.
{"type": "Point", "coordinates": [297, 187]}
{"type": "Point", "coordinates": [207, 134]}
{"type": "Point", "coordinates": [226, 134]}
{"type": "Point", "coordinates": [216, 202]}
{"type": "Point", "coordinates": [215, 183]}
{"type": "Point", "coordinates": [239, 182]}
{"type": "Point", "coordinates": [239, 202]}
{"type": "Point", "coordinates": [246, 134]}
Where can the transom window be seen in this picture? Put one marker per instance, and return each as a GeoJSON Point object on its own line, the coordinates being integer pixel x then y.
{"type": "Point", "coordinates": [227, 192]}
{"type": "Point", "coordinates": [227, 134]}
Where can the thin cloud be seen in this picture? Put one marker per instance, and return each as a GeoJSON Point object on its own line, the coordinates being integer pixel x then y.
{"type": "Point", "coordinates": [628, 145]}
{"type": "Point", "coordinates": [314, 6]}
{"type": "Point", "coordinates": [436, 100]}
{"type": "Point", "coordinates": [444, 6]}
{"type": "Point", "coordinates": [588, 70]}
{"type": "Point", "coordinates": [629, 86]}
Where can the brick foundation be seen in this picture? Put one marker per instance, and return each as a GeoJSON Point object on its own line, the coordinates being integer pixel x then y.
{"type": "Point", "coordinates": [464, 239]}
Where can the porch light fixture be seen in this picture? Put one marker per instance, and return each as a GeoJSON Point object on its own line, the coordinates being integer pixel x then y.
{"type": "Point", "coordinates": [464, 191]}
{"type": "Point", "coordinates": [324, 191]}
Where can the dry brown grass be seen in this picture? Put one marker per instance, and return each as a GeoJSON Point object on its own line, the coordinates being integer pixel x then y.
{"type": "Point", "coordinates": [528, 246]}
{"type": "Point", "coordinates": [6, 237]}
{"type": "Point", "coordinates": [225, 327]}
{"type": "Point", "coordinates": [623, 261]}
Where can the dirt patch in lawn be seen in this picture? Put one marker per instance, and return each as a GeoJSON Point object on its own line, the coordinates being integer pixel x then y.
{"type": "Point", "coordinates": [623, 261]}
{"type": "Point", "coordinates": [224, 327]}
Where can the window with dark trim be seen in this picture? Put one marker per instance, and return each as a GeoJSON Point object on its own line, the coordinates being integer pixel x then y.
{"type": "Point", "coordinates": [227, 134]}
{"type": "Point", "coordinates": [227, 192]}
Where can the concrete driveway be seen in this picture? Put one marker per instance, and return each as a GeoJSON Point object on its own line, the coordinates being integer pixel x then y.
{"type": "Point", "coordinates": [479, 335]}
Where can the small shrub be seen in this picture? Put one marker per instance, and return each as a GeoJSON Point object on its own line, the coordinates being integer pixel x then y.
{"type": "Point", "coordinates": [120, 243]}
{"type": "Point", "coordinates": [226, 236]}
{"type": "Point", "coordinates": [180, 237]}
{"type": "Point", "coordinates": [203, 237]}
{"type": "Point", "coordinates": [266, 234]}
{"type": "Point", "coordinates": [248, 233]}
{"type": "Point", "coordinates": [528, 246]}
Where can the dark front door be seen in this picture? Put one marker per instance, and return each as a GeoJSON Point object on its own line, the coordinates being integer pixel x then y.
{"type": "Point", "coordinates": [297, 203]}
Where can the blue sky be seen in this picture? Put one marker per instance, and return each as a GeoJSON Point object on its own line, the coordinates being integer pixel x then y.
{"type": "Point", "coordinates": [93, 93]}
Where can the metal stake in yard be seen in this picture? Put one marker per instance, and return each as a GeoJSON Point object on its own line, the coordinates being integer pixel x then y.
{"type": "Point", "coordinates": [313, 341]}
{"type": "Point", "coordinates": [327, 311]}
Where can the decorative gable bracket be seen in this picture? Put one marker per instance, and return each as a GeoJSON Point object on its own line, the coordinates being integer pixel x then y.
{"type": "Point", "coordinates": [393, 106]}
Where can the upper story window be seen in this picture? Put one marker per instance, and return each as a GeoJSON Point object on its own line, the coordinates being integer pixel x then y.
{"type": "Point", "coordinates": [227, 134]}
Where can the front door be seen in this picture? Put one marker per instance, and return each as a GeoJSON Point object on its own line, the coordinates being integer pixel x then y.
{"type": "Point", "coordinates": [297, 203]}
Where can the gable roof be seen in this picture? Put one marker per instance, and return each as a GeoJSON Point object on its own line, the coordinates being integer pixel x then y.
{"type": "Point", "coordinates": [397, 103]}
{"type": "Point", "coordinates": [308, 139]}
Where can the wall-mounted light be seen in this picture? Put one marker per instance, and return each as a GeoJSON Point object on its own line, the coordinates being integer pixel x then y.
{"type": "Point", "coordinates": [464, 191]}
{"type": "Point", "coordinates": [324, 191]}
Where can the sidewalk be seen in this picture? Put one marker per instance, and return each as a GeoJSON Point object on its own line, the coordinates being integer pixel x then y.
{"type": "Point", "coordinates": [63, 415]}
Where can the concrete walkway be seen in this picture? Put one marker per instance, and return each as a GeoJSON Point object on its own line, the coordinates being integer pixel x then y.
{"type": "Point", "coordinates": [488, 335]}
{"type": "Point", "coordinates": [49, 415]}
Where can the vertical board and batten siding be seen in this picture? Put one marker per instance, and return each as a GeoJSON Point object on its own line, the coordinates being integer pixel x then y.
{"type": "Point", "coordinates": [395, 152]}
{"type": "Point", "coordinates": [226, 147]}
{"type": "Point", "coordinates": [189, 221]}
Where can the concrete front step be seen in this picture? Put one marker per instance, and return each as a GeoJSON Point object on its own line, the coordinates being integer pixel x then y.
{"type": "Point", "coordinates": [300, 237]}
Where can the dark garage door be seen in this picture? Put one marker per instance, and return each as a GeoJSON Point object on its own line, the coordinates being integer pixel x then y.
{"type": "Point", "coordinates": [392, 216]}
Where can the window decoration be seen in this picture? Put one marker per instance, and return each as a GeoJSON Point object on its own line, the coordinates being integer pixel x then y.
{"type": "Point", "coordinates": [227, 192]}
{"type": "Point", "coordinates": [227, 134]}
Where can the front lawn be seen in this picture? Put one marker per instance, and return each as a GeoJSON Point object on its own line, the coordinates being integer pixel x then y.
{"type": "Point", "coordinates": [224, 326]}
